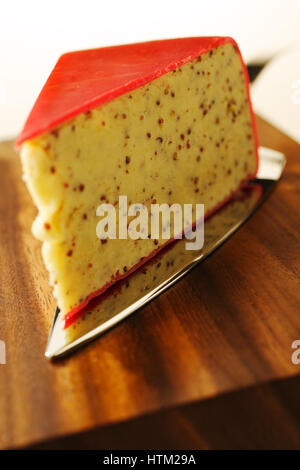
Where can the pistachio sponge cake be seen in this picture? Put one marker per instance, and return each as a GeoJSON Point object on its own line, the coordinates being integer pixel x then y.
{"type": "Point", "coordinates": [159, 122]}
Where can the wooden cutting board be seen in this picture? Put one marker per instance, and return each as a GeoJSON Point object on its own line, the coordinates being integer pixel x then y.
{"type": "Point", "coordinates": [227, 325]}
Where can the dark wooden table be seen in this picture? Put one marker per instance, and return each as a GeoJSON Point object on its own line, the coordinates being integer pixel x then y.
{"type": "Point", "coordinates": [205, 365]}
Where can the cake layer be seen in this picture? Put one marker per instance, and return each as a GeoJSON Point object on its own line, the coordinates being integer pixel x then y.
{"type": "Point", "coordinates": [185, 137]}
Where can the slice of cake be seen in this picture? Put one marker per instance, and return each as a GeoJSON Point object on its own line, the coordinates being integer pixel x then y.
{"type": "Point", "coordinates": [159, 122]}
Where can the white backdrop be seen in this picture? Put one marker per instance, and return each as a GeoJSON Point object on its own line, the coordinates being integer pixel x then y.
{"type": "Point", "coordinates": [34, 33]}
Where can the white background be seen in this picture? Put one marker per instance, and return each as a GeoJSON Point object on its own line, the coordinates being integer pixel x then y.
{"type": "Point", "coordinates": [34, 33]}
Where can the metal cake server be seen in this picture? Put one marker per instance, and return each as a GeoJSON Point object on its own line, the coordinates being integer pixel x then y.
{"type": "Point", "coordinates": [167, 267]}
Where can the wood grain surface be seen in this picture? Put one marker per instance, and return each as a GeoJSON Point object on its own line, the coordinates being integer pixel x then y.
{"type": "Point", "coordinates": [265, 416]}
{"type": "Point", "coordinates": [228, 325]}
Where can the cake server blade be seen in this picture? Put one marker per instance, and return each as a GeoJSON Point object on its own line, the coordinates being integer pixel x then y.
{"type": "Point", "coordinates": [172, 263]}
